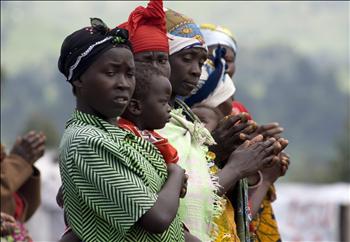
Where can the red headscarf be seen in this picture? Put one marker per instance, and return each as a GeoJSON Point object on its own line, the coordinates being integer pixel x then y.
{"type": "Point", "coordinates": [147, 28]}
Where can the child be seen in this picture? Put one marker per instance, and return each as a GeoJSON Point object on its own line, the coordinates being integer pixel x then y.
{"type": "Point", "coordinates": [149, 110]}
{"type": "Point", "coordinates": [208, 115]}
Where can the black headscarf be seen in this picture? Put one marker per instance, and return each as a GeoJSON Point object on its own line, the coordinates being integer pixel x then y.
{"type": "Point", "coordinates": [80, 49]}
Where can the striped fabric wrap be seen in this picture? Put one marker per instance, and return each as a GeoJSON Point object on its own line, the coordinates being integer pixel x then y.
{"type": "Point", "coordinates": [110, 179]}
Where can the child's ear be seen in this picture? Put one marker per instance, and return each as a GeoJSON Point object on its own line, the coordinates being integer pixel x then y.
{"type": "Point", "coordinates": [135, 107]}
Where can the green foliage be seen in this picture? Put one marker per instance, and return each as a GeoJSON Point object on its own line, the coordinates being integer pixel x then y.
{"type": "Point", "coordinates": [341, 164]}
{"type": "Point", "coordinates": [299, 93]}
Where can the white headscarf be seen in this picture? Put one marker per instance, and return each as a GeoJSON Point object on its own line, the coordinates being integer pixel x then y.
{"type": "Point", "coordinates": [177, 43]}
{"type": "Point", "coordinates": [224, 90]}
{"type": "Point", "coordinates": [218, 35]}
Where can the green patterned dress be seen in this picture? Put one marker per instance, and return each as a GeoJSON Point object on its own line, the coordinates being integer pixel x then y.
{"type": "Point", "coordinates": [110, 179]}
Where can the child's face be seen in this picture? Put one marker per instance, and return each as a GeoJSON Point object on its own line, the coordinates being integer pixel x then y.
{"type": "Point", "coordinates": [106, 87]}
{"type": "Point", "coordinates": [226, 106]}
{"type": "Point", "coordinates": [208, 116]}
{"type": "Point", "coordinates": [155, 106]}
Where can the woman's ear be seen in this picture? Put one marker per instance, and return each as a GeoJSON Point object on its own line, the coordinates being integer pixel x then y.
{"type": "Point", "coordinates": [77, 83]}
{"type": "Point", "coordinates": [135, 107]}
{"type": "Point", "coordinates": [77, 86]}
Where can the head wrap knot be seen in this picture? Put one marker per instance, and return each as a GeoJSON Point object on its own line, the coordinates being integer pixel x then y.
{"type": "Point", "coordinates": [147, 28]}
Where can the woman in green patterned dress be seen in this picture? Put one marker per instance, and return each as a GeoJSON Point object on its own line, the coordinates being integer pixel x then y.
{"type": "Point", "coordinates": [116, 186]}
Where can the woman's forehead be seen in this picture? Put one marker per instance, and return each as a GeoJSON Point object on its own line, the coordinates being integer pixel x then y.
{"type": "Point", "coordinates": [151, 53]}
{"type": "Point", "coordinates": [116, 55]}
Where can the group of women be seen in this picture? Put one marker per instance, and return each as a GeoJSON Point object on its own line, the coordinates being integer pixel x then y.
{"type": "Point", "coordinates": [118, 186]}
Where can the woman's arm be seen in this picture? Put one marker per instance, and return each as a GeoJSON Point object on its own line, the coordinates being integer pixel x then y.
{"type": "Point", "coordinates": [125, 192]}
{"type": "Point", "coordinates": [160, 216]}
{"type": "Point", "coordinates": [247, 159]}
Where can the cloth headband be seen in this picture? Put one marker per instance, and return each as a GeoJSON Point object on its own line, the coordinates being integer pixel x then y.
{"type": "Point", "coordinates": [80, 49]}
{"type": "Point", "coordinates": [177, 43]}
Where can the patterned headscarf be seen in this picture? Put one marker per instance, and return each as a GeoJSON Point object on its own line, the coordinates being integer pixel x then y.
{"type": "Point", "coordinates": [81, 48]}
{"type": "Point", "coordinates": [147, 28]}
{"type": "Point", "coordinates": [216, 34]}
{"type": "Point", "coordinates": [183, 32]}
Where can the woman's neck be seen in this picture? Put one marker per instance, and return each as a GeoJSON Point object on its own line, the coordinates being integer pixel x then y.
{"type": "Point", "coordinates": [82, 107]}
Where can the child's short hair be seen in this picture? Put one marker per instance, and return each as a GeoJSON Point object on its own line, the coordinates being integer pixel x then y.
{"type": "Point", "coordinates": [204, 106]}
{"type": "Point", "coordinates": [143, 76]}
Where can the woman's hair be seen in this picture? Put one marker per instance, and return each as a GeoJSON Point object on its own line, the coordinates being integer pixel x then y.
{"type": "Point", "coordinates": [143, 77]}
{"type": "Point", "coordinates": [81, 48]}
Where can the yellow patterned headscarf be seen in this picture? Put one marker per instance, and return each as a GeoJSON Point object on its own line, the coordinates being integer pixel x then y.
{"type": "Point", "coordinates": [183, 32]}
{"type": "Point", "coordinates": [180, 25]}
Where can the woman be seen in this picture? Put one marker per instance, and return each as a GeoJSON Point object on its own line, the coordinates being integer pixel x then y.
{"type": "Point", "coordinates": [147, 29]}
{"type": "Point", "coordinates": [202, 202]}
{"type": "Point", "coordinates": [261, 189]}
{"type": "Point", "coordinates": [116, 186]}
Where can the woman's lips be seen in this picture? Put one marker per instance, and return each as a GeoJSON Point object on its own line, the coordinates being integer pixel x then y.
{"type": "Point", "coordinates": [121, 100]}
{"type": "Point", "coordinates": [190, 84]}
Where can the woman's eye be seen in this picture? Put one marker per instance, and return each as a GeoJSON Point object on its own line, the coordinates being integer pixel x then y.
{"type": "Point", "coordinates": [162, 61]}
{"type": "Point", "coordinates": [110, 73]}
{"type": "Point", "coordinates": [187, 58]}
{"type": "Point", "coordinates": [130, 74]}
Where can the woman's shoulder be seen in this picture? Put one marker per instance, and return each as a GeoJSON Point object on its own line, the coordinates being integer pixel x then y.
{"type": "Point", "coordinates": [76, 134]}
{"type": "Point", "coordinates": [86, 131]}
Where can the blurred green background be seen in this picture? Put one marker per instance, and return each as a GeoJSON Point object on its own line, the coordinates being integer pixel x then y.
{"type": "Point", "coordinates": [292, 67]}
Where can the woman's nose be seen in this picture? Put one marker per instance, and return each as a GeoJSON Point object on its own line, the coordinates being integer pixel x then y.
{"type": "Point", "coordinates": [196, 70]}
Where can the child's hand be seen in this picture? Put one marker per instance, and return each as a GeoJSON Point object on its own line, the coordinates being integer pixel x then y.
{"type": "Point", "coordinates": [176, 170]}
{"type": "Point", "coordinates": [184, 187]}
{"type": "Point", "coordinates": [8, 224]}
{"type": "Point", "coordinates": [59, 197]}
{"type": "Point", "coordinates": [30, 147]}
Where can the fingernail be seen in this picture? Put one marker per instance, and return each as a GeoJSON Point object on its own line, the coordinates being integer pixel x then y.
{"type": "Point", "coordinates": [242, 136]}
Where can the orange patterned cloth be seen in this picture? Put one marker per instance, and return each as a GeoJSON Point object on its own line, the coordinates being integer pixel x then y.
{"type": "Point", "coordinates": [264, 224]}
{"type": "Point", "coordinates": [226, 225]}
